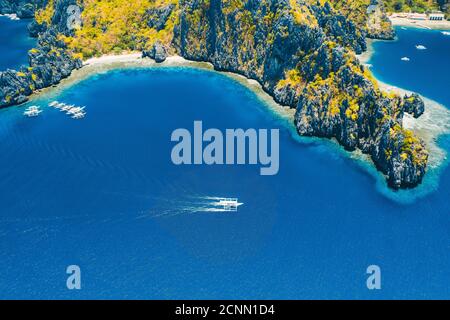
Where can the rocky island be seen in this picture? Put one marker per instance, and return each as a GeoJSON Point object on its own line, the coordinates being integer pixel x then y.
{"type": "Point", "coordinates": [302, 52]}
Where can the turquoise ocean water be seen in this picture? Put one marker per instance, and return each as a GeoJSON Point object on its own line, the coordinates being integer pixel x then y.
{"type": "Point", "coordinates": [14, 43]}
{"type": "Point", "coordinates": [102, 193]}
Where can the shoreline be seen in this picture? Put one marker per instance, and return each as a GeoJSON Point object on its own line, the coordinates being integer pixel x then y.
{"type": "Point", "coordinates": [433, 123]}
{"type": "Point", "coordinates": [443, 25]}
{"type": "Point", "coordinates": [428, 126]}
{"type": "Point", "coordinates": [107, 63]}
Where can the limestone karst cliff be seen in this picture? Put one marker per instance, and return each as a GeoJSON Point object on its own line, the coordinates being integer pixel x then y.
{"type": "Point", "coordinates": [301, 51]}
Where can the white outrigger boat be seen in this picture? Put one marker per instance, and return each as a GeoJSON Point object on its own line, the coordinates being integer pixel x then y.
{"type": "Point", "coordinates": [75, 110]}
{"type": "Point", "coordinates": [32, 111]}
{"type": "Point", "coordinates": [72, 110]}
{"type": "Point", "coordinates": [78, 115]}
{"type": "Point", "coordinates": [229, 204]}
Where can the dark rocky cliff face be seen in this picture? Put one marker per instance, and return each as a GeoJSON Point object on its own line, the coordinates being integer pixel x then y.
{"type": "Point", "coordinates": [49, 62]}
{"type": "Point", "coordinates": [23, 8]}
{"type": "Point", "coordinates": [301, 51]}
{"type": "Point", "coordinates": [378, 25]}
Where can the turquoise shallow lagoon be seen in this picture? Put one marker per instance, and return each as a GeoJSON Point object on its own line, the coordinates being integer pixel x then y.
{"type": "Point", "coordinates": [103, 194]}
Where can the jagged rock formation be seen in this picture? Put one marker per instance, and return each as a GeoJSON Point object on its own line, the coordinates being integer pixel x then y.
{"type": "Point", "coordinates": [369, 15]}
{"type": "Point", "coordinates": [299, 56]}
{"type": "Point", "coordinates": [49, 62]}
{"type": "Point", "coordinates": [378, 24]}
{"type": "Point", "coordinates": [23, 8]}
{"type": "Point", "coordinates": [157, 17]}
{"type": "Point", "coordinates": [414, 105]}
{"type": "Point", "coordinates": [301, 51]}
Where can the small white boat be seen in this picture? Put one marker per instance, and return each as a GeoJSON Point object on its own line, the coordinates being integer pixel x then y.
{"type": "Point", "coordinates": [75, 110]}
{"type": "Point", "coordinates": [53, 104]}
{"type": "Point", "coordinates": [229, 204]}
{"type": "Point", "coordinates": [405, 59]}
{"type": "Point", "coordinates": [421, 47]}
{"type": "Point", "coordinates": [446, 33]}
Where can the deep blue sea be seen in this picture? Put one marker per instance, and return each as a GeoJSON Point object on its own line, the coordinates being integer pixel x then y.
{"type": "Point", "coordinates": [427, 70]}
{"type": "Point", "coordinates": [14, 43]}
{"type": "Point", "coordinates": [102, 193]}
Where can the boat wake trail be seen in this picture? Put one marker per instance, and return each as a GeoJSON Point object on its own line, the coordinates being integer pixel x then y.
{"type": "Point", "coordinates": [183, 205]}
{"type": "Point", "coordinates": [203, 204]}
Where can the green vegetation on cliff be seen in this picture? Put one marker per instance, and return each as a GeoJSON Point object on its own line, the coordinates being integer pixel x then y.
{"type": "Point", "coordinates": [301, 51]}
{"type": "Point", "coordinates": [115, 26]}
{"type": "Point", "coordinates": [419, 6]}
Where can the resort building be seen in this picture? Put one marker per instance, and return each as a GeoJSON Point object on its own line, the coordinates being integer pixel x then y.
{"type": "Point", "coordinates": [436, 16]}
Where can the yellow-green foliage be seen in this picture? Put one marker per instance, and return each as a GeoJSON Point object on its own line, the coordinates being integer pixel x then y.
{"type": "Point", "coordinates": [411, 147]}
{"type": "Point", "coordinates": [119, 25]}
{"type": "Point", "coordinates": [229, 6]}
{"type": "Point", "coordinates": [45, 15]}
{"type": "Point", "coordinates": [21, 74]}
{"type": "Point", "coordinates": [302, 15]}
{"type": "Point", "coordinates": [388, 154]}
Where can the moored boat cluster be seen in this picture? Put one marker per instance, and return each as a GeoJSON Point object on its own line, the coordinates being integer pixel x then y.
{"type": "Point", "coordinates": [75, 112]}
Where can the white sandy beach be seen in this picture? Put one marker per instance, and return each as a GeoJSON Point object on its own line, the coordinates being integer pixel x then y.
{"type": "Point", "coordinates": [423, 24]}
